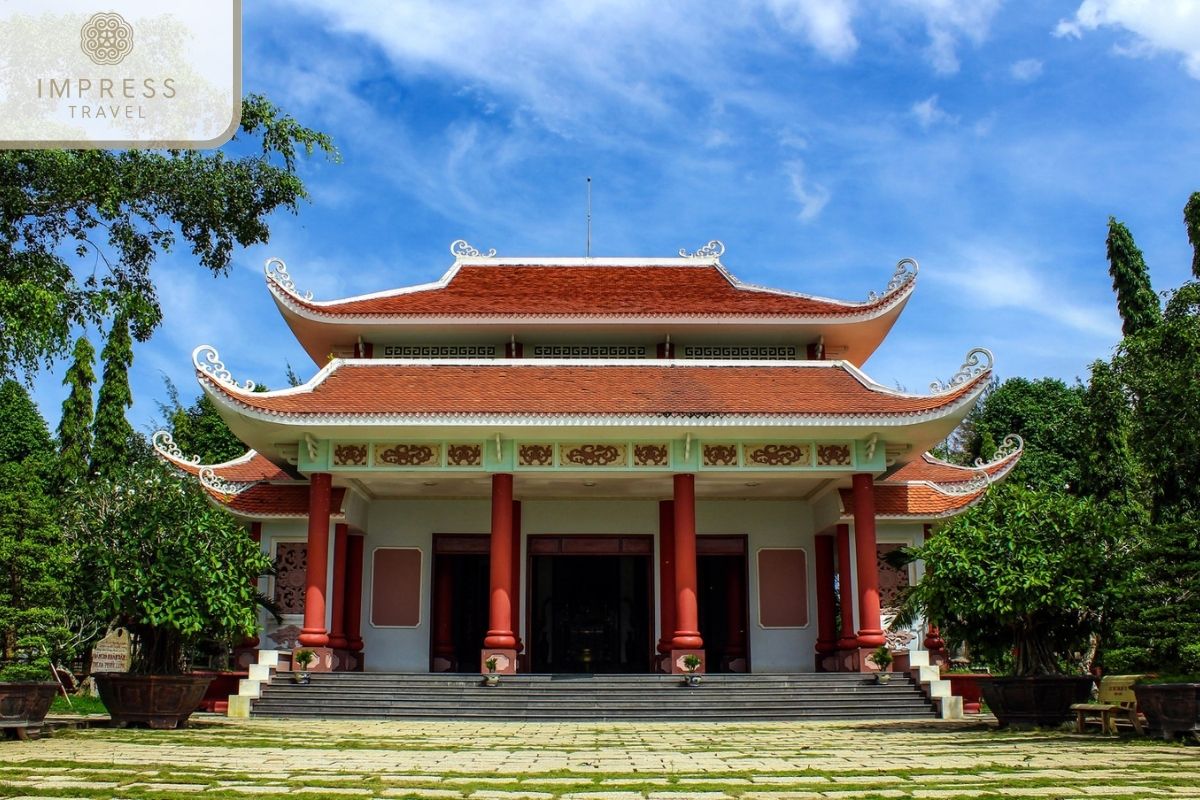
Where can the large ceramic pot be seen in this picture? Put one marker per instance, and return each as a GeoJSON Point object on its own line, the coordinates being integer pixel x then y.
{"type": "Point", "coordinates": [25, 704]}
{"type": "Point", "coordinates": [1042, 701]}
{"type": "Point", "coordinates": [1170, 708]}
{"type": "Point", "coordinates": [966, 685]}
{"type": "Point", "coordinates": [159, 701]}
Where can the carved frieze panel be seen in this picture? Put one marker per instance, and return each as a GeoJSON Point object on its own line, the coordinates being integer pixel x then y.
{"type": "Point", "coordinates": [408, 454]}
{"type": "Point", "coordinates": [350, 455]}
{"type": "Point", "coordinates": [592, 455]}
{"type": "Point", "coordinates": [535, 455]}
{"type": "Point", "coordinates": [833, 455]}
{"type": "Point", "coordinates": [720, 455]}
{"type": "Point", "coordinates": [749, 352]}
{"type": "Point", "coordinates": [776, 455]}
{"type": "Point", "coordinates": [291, 564]}
{"type": "Point", "coordinates": [651, 455]}
{"type": "Point", "coordinates": [464, 455]}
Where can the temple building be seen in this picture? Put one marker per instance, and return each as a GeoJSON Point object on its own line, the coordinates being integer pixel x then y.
{"type": "Point", "coordinates": [593, 465]}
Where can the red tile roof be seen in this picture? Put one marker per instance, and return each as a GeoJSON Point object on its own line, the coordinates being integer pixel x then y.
{"type": "Point", "coordinates": [275, 500]}
{"type": "Point", "coordinates": [252, 466]}
{"type": "Point", "coordinates": [380, 388]}
{"type": "Point", "coordinates": [930, 468]}
{"type": "Point", "coordinates": [609, 291]}
{"type": "Point", "coordinates": [914, 500]}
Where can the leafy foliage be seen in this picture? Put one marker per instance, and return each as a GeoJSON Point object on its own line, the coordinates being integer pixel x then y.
{"type": "Point", "coordinates": [198, 429]}
{"type": "Point", "coordinates": [124, 208]}
{"type": "Point", "coordinates": [1191, 218]}
{"type": "Point", "coordinates": [110, 449]}
{"type": "Point", "coordinates": [1028, 575]}
{"type": "Point", "coordinates": [169, 566]}
{"type": "Point", "coordinates": [1136, 300]}
{"type": "Point", "coordinates": [75, 425]}
{"type": "Point", "coordinates": [23, 432]}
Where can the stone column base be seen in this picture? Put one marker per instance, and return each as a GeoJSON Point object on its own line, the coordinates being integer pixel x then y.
{"type": "Point", "coordinates": [675, 660]}
{"type": "Point", "coordinates": [506, 661]}
{"type": "Point", "coordinates": [329, 659]}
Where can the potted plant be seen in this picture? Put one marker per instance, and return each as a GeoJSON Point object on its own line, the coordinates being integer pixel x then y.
{"type": "Point", "coordinates": [882, 657]}
{"type": "Point", "coordinates": [491, 679]}
{"type": "Point", "coordinates": [691, 662]}
{"type": "Point", "coordinates": [34, 569]}
{"type": "Point", "coordinates": [172, 569]}
{"type": "Point", "coordinates": [1025, 579]}
{"type": "Point", "coordinates": [302, 658]}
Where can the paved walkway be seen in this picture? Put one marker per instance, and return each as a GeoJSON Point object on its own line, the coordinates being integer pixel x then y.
{"type": "Point", "coordinates": [626, 761]}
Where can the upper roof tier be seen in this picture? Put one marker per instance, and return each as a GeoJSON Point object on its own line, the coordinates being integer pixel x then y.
{"type": "Point", "coordinates": [692, 299]}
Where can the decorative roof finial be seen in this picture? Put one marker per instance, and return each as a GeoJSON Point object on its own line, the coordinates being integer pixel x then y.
{"type": "Point", "coordinates": [971, 368]}
{"type": "Point", "coordinates": [460, 249]}
{"type": "Point", "coordinates": [214, 482]}
{"type": "Point", "coordinates": [714, 249]}
{"type": "Point", "coordinates": [981, 480]}
{"type": "Point", "coordinates": [900, 278]}
{"type": "Point", "coordinates": [277, 271]}
{"type": "Point", "coordinates": [208, 360]}
{"type": "Point", "coordinates": [165, 445]}
{"type": "Point", "coordinates": [1008, 448]}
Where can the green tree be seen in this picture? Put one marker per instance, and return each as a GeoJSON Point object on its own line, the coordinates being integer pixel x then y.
{"type": "Point", "coordinates": [34, 566]}
{"type": "Point", "coordinates": [110, 445]}
{"type": "Point", "coordinates": [75, 425]}
{"type": "Point", "coordinates": [124, 208]}
{"type": "Point", "coordinates": [1136, 300]}
{"type": "Point", "coordinates": [23, 432]}
{"type": "Point", "coordinates": [1047, 414]}
{"type": "Point", "coordinates": [199, 430]}
{"type": "Point", "coordinates": [168, 565]}
{"type": "Point", "coordinates": [1025, 578]}
{"type": "Point", "coordinates": [1108, 470]}
{"type": "Point", "coordinates": [1191, 218]}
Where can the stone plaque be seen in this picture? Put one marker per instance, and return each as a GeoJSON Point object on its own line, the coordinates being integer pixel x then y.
{"type": "Point", "coordinates": [112, 653]}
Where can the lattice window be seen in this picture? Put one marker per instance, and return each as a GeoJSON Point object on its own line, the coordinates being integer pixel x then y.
{"type": "Point", "coordinates": [747, 352]}
{"type": "Point", "coordinates": [589, 351]}
{"type": "Point", "coordinates": [436, 351]}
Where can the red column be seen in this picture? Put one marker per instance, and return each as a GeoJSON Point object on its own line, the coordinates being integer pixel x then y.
{"type": "Point", "coordinates": [500, 633]}
{"type": "Point", "coordinates": [687, 613]}
{"type": "Point", "coordinates": [515, 595]}
{"type": "Point", "coordinates": [826, 623]}
{"type": "Point", "coordinates": [845, 589]}
{"type": "Point", "coordinates": [337, 620]}
{"type": "Point", "coordinates": [354, 591]}
{"type": "Point", "coordinates": [870, 634]}
{"type": "Point", "coordinates": [313, 633]}
{"type": "Point", "coordinates": [666, 574]}
{"type": "Point", "coordinates": [443, 599]}
{"type": "Point", "coordinates": [933, 637]}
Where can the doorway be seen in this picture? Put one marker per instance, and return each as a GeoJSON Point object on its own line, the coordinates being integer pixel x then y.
{"type": "Point", "coordinates": [459, 621]}
{"type": "Point", "coordinates": [590, 604]}
{"type": "Point", "coordinates": [722, 600]}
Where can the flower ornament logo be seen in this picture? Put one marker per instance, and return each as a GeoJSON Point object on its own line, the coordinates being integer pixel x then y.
{"type": "Point", "coordinates": [106, 38]}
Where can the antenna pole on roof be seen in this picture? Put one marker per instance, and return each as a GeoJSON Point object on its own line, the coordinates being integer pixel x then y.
{"type": "Point", "coordinates": [588, 249]}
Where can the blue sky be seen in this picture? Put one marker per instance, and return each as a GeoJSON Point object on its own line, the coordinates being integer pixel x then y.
{"type": "Point", "coordinates": [821, 140]}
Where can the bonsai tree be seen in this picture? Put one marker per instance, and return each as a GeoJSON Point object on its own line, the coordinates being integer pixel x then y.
{"type": "Point", "coordinates": [491, 665]}
{"type": "Point", "coordinates": [165, 563]}
{"type": "Point", "coordinates": [691, 662]}
{"type": "Point", "coordinates": [304, 658]}
{"type": "Point", "coordinates": [882, 657]}
{"type": "Point", "coordinates": [1024, 579]}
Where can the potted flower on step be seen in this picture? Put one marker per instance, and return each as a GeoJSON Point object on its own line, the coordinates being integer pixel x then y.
{"type": "Point", "coordinates": [883, 659]}
{"type": "Point", "coordinates": [302, 659]}
{"type": "Point", "coordinates": [171, 568]}
{"type": "Point", "coordinates": [491, 679]}
{"type": "Point", "coordinates": [691, 662]}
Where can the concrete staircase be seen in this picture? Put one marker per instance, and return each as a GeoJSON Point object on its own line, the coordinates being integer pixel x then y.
{"type": "Point", "coordinates": [809, 696]}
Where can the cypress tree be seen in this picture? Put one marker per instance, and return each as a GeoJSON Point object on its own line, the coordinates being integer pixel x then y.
{"type": "Point", "coordinates": [111, 434]}
{"type": "Point", "coordinates": [75, 426]}
{"type": "Point", "coordinates": [1136, 300]}
{"type": "Point", "coordinates": [1191, 218]}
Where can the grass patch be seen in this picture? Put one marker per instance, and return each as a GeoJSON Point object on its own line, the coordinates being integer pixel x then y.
{"type": "Point", "coordinates": [80, 704]}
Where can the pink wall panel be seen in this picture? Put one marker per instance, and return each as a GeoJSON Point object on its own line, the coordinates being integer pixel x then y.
{"type": "Point", "coordinates": [396, 587]}
{"type": "Point", "coordinates": [782, 588]}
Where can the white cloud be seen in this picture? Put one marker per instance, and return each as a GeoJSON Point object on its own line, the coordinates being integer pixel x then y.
{"type": "Point", "coordinates": [825, 24]}
{"type": "Point", "coordinates": [811, 195]}
{"type": "Point", "coordinates": [1026, 70]}
{"type": "Point", "coordinates": [949, 21]}
{"type": "Point", "coordinates": [1171, 26]}
{"type": "Point", "coordinates": [928, 113]}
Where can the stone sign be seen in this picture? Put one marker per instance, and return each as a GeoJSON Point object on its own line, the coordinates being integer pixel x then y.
{"type": "Point", "coordinates": [112, 653]}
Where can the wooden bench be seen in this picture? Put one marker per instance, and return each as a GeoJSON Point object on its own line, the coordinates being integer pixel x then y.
{"type": "Point", "coordinates": [1114, 700]}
